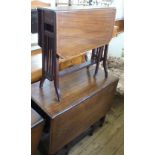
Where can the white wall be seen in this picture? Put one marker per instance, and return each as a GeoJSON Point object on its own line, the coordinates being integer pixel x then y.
{"type": "Point", "coordinates": [116, 46]}
{"type": "Point", "coordinates": [119, 4]}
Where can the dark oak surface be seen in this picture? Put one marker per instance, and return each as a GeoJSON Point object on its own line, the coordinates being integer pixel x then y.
{"type": "Point", "coordinates": [84, 101]}
{"type": "Point", "coordinates": [75, 87]}
{"type": "Point", "coordinates": [37, 124]}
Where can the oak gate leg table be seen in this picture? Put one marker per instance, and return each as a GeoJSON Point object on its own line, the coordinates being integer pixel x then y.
{"type": "Point", "coordinates": [85, 101]}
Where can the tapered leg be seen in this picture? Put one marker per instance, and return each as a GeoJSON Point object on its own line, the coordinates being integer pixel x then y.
{"type": "Point", "coordinates": [97, 62]}
{"type": "Point", "coordinates": [57, 89]}
{"type": "Point", "coordinates": [56, 79]}
{"type": "Point", "coordinates": [98, 59]}
{"type": "Point", "coordinates": [105, 61]}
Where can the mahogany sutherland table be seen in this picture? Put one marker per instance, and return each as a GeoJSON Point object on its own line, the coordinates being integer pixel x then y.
{"type": "Point", "coordinates": [66, 32]}
{"type": "Point", "coordinates": [85, 100]}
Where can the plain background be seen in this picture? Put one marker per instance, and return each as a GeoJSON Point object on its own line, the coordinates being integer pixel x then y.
{"type": "Point", "coordinates": [15, 75]}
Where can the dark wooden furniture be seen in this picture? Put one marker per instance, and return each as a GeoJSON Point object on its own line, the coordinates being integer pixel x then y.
{"type": "Point", "coordinates": [37, 124]}
{"type": "Point", "coordinates": [36, 55]}
{"type": "Point", "coordinates": [69, 31]}
{"type": "Point", "coordinates": [36, 62]}
{"type": "Point", "coordinates": [34, 14]}
{"type": "Point", "coordinates": [85, 100]}
{"type": "Point", "coordinates": [34, 21]}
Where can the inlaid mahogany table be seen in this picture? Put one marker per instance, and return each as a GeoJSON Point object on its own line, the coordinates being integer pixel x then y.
{"type": "Point", "coordinates": [37, 124]}
{"type": "Point", "coordinates": [66, 32]}
{"type": "Point", "coordinates": [84, 101]}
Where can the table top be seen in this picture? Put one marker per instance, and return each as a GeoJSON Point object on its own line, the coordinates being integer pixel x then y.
{"type": "Point", "coordinates": [75, 88]}
{"type": "Point", "coordinates": [80, 29]}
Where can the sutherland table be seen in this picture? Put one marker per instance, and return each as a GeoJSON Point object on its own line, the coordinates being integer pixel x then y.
{"type": "Point", "coordinates": [66, 32]}
{"type": "Point", "coordinates": [85, 100]}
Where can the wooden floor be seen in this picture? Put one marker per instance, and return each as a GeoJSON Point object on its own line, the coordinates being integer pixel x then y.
{"type": "Point", "coordinates": [107, 140]}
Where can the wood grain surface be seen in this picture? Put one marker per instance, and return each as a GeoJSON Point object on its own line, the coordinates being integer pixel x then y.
{"type": "Point", "coordinates": [74, 86]}
{"type": "Point", "coordinates": [78, 31]}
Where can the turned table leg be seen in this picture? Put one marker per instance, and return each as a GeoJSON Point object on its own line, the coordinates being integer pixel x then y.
{"type": "Point", "coordinates": [105, 60]}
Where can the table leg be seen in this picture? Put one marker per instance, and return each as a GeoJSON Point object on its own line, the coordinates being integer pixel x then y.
{"type": "Point", "coordinates": [105, 60]}
{"type": "Point", "coordinates": [56, 79]}
{"type": "Point", "coordinates": [98, 59]}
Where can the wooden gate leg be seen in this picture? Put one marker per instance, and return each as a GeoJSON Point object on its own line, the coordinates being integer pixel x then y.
{"type": "Point", "coordinates": [102, 120]}
{"type": "Point", "coordinates": [105, 60]}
